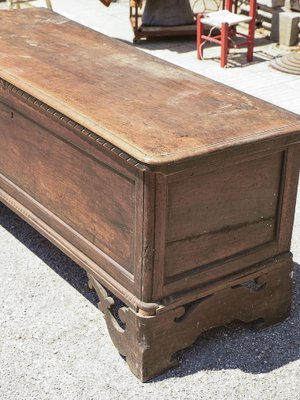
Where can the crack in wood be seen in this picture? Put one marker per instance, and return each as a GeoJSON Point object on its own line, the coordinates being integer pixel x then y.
{"type": "Point", "coordinates": [224, 229]}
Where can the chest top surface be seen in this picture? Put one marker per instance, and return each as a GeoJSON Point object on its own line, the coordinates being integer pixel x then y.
{"type": "Point", "coordinates": [148, 108]}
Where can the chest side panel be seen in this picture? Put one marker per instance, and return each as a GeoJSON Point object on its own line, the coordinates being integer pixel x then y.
{"type": "Point", "coordinates": [222, 213]}
{"type": "Point", "coordinates": [223, 217]}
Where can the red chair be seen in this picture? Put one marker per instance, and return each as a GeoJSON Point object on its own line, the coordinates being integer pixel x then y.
{"type": "Point", "coordinates": [226, 21]}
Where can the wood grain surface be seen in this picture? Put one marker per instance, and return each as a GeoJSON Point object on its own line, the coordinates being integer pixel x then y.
{"type": "Point", "coordinates": [222, 207]}
{"type": "Point", "coordinates": [152, 110]}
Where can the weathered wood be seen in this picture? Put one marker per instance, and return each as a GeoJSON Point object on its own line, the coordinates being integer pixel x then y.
{"type": "Point", "coordinates": [222, 207]}
{"type": "Point", "coordinates": [172, 193]}
{"type": "Point", "coordinates": [46, 177]}
{"type": "Point", "coordinates": [149, 343]}
{"type": "Point", "coordinates": [153, 111]}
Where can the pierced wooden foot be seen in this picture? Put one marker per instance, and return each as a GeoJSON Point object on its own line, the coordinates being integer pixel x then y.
{"type": "Point", "coordinates": [150, 342]}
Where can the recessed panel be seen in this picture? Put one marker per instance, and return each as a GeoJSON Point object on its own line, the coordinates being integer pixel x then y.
{"type": "Point", "coordinates": [89, 196]}
{"type": "Point", "coordinates": [218, 215]}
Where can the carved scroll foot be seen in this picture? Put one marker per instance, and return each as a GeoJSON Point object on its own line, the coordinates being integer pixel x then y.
{"type": "Point", "coordinates": [150, 342]}
{"type": "Point", "coordinates": [276, 306]}
{"type": "Point", "coordinates": [137, 340]}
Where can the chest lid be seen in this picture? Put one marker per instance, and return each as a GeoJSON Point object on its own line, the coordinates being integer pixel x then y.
{"type": "Point", "coordinates": [155, 112]}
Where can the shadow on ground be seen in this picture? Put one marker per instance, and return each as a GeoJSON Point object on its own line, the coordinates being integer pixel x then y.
{"type": "Point", "coordinates": [239, 60]}
{"type": "Point", "coordinates": [234, 347]}
{"type": "Point", "coordinates": [183, 44]}
{"type": "Point", "coordinates": [47, 252]}
{"type": "Point", "coordinates": [236, 59]}
{"type": "Point", "coordinates": [240, 346]}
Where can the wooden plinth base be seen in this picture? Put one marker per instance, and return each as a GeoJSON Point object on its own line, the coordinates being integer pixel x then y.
{"type": "Point", "coordinates": [149, 342]}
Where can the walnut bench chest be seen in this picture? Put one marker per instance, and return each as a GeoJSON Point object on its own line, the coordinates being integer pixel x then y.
{"type": "Point", "coordinates": [174, 192]}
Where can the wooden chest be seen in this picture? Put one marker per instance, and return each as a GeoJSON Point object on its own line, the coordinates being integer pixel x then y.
{"type": "Point", "coordinates": [174, 192]}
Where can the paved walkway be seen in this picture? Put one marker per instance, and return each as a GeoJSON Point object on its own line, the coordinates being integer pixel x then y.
{"type": "Point", "coordinates": [53, 340]}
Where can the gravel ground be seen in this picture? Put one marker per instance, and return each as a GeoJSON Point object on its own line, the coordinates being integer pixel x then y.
{"type": "Point", "coordinates": [54, 343]}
